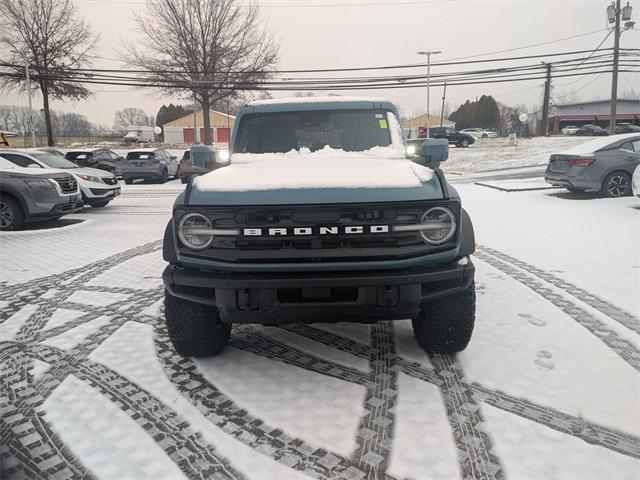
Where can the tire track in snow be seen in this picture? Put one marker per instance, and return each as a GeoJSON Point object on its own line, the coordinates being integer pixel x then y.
{"type": "Point", "coordinates": [237, 422]}
{"type": "Point", "coordinates": [610, 310]}
{"type": "Point", "coordinates": [375, 433]}
{"type": "Point", "coordinates": [624, 349]}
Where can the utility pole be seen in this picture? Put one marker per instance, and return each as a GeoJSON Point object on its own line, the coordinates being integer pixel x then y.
{"type": "Point", "coordinates": [614, 77]}
{"type": "Point", "coordinates": [444, 95]}
{"type": "Point", "coordinates": [195, 119]}
{"type": "Point", "coordinates": [545, 102]}
{"type": "Point", "coordinates": [428, 54]}
{"type": "Point", "coordinates": [33, 133]}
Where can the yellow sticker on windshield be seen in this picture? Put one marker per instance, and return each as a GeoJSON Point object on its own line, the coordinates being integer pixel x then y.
{"type": "Point", "coordinates": [383, 124]}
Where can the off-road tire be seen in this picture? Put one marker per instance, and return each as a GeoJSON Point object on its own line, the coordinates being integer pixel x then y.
{"type": "Point", "coordinates": [195, 330]}
{"type": "Point", "coordinates": [445, 325]}
{"type": "Point", "coordinates": [616, 185]}
{"type": "Point", "coordinates": [11, 207]}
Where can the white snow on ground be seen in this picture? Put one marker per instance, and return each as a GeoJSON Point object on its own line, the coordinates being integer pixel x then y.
{"type": "Point", "coordinates": [143, 272]}
{"type": "Point", "coordinates": [98, 299]}
{"type": "Point", "coordinates": [322, 410]}
{"type": "Point", "coordinates": [424, 442]}
{"type": "Point", "coordinates": [62, 316]}
{"type": "Point", "coordinates": [517, 185]}
{"type": "Point", "coordinates": [589, 241]}
{"type": "Point", "coordinates": [130, 352]}
{"type": "Point", "coordinates": [12, 325]}
{"type": "Point", "coordinates": [529, 348]}
{"type": "Point", "coordinates": [117, 447]}
{"type": "Point", "coordinates": [490, 154]}
{"type": "Point", "coordinates": [534, 452]}
{"type": "Point", "coordinates": [72, 337]}
{"type": "Point", "coordinates": [314, 348]}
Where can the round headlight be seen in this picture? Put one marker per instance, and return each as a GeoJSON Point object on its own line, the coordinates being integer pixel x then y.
{"type": "Point", "coordinates": [193, 231]}
{"type": "Point", "coordinates": [441, 223]}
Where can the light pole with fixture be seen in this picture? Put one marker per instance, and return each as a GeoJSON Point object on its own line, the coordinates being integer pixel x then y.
{"type": "Point", "coordinates": [428, 54]}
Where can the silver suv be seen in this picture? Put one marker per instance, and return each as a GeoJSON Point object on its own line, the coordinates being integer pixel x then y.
{"type": "Point", "coordinates": [150, 164]}
{"type": "Point", "coordinates": [35, 194]}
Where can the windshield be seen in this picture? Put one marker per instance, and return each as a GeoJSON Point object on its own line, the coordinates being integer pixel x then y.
{"type": "Point", "coordinates": [53, 161]}
{"type": "Point", "coordinates": [348, 130]}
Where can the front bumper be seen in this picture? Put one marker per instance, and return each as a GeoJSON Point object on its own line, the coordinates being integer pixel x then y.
{"type": "Point", "coordinates": [278, 298]}
{"type": "Point", "coordinates": [100, 191]}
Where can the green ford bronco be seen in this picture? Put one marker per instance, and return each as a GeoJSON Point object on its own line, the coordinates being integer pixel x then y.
{"type": "Point", "coordinates": [322, 215]}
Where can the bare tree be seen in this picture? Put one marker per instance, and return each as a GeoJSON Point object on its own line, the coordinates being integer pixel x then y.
{"type": "Point", "coordinates": [130, 116]}
{"type": "Point", "coordinates": [48, 36]}
{"type": "Point", "coordinates": [215, 48]}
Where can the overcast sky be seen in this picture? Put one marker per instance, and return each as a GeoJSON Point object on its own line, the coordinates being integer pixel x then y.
{"type": "Point", "coordinates": [348, 33]}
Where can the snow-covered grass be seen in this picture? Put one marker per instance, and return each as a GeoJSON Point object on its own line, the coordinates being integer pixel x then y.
{"type": "Point", "coordinates": [498, 153]}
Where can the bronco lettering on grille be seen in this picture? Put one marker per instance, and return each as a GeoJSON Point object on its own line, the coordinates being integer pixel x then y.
{"type": "Point", "coordinates": [300, 231]}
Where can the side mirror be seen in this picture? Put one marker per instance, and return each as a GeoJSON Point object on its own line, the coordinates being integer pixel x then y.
{"type": "Point", "coordinates": [430, 153]}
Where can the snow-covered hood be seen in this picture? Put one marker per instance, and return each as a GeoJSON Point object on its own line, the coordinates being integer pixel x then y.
{"type": "Point", "coordinates": [325, 176]}
{"type": "Point", "coordinates": [14, 169]}
{"type": "Point", "coordinates": [380, 167]}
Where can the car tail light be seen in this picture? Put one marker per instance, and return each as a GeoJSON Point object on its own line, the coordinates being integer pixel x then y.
{"type": "Point", "coordinates": [581, 162]}
{"type": "Point", "coordinates": [155, 159]}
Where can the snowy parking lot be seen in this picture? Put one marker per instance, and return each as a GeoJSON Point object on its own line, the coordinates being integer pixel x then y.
{"type": "Point", "coordinates": [549, 387]}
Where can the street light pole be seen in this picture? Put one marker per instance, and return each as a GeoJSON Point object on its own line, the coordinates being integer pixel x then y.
{"type": "Point", "coordinates": [428, 54]}
{"type": "Point", "coordinates": [28, 86]}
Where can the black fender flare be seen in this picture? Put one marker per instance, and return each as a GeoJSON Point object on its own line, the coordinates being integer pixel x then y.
{"type": "Point", "coordinates": [18, 197]}
{"type": "Point", "coordinates": [467, 235]}
{"type": "Point", "coordinates": [169, 245]}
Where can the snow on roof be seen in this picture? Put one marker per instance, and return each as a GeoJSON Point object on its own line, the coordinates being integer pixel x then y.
{"type": "Point", "coordinates": [325, 99]}
{"type": "Point", "coordinates": [144, 150]}
{"type": "Point", "coordinates": [84, 150]}
{"type": "Point", "coordinates": [597, 144]}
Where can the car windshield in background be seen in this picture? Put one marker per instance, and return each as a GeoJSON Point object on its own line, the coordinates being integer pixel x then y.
{"type": "Point", "coordinates": [352, 131]}
{"type": "Point", "coordinates": [139, 156]}
{"type": "Point", "coordinates": [53, 161]}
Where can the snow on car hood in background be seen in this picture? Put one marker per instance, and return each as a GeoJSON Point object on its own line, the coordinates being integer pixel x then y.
{"type": "Point", "coordinates": [379, 167]}
{"type": "Point", "coordinates": [597, 144]}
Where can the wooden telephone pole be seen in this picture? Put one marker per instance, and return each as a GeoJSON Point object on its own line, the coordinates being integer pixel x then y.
{"type": "Point", "coordinates": [544, 129]}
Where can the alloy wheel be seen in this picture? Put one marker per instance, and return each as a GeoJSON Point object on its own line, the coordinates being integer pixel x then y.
{"type": "Point", "coordinates": [6, 216]}
{"type": "Point", "coordinates": [618, 186]}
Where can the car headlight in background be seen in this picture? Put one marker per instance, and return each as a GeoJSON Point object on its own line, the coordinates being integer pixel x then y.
{"type": "Point", "coordinates": [90, 178]}
{"type": "Point", "coordinates": [195, 231]}
{"type": "Point", "coordinates": [437, 226]}
{"type": "Point", "coordinates": [411, 150]}
{"type": "Point", "coordinates": [224, 156]}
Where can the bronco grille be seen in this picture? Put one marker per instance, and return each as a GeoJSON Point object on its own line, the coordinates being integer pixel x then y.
{"type": "Point", "coordinates": [287, 246]}
{"type": "Point", "coordinates": [67, 184]}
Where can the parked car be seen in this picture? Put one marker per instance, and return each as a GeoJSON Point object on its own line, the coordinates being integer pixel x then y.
{"type": "Point", "coordinates": [150, 164]}
{"type": "Point", "coordinates": [627, 128]}
{"type": "Point", "coordinates": [348, 229]}
{"type": "Point", "coordinates": [97, 186]}
{"type": "Point", "coordinates": [34, 195]}
{"type": "Point", "coordinates": [100, 158]}
{"type": "Point", "coordinates": [55, 151]}
{"type": "Point", "coordinates": [570, 130]}
{"type": "Point", "coordinates": [591, 131]}
{"type": "Point", "coordinates": [459, 139]}
{"type": "Point", "coordinates": [200, 159]}
{"type": "Point", "coordinates": [479, 133]}
{"type": "Point", "coordinates": [604, 164]}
